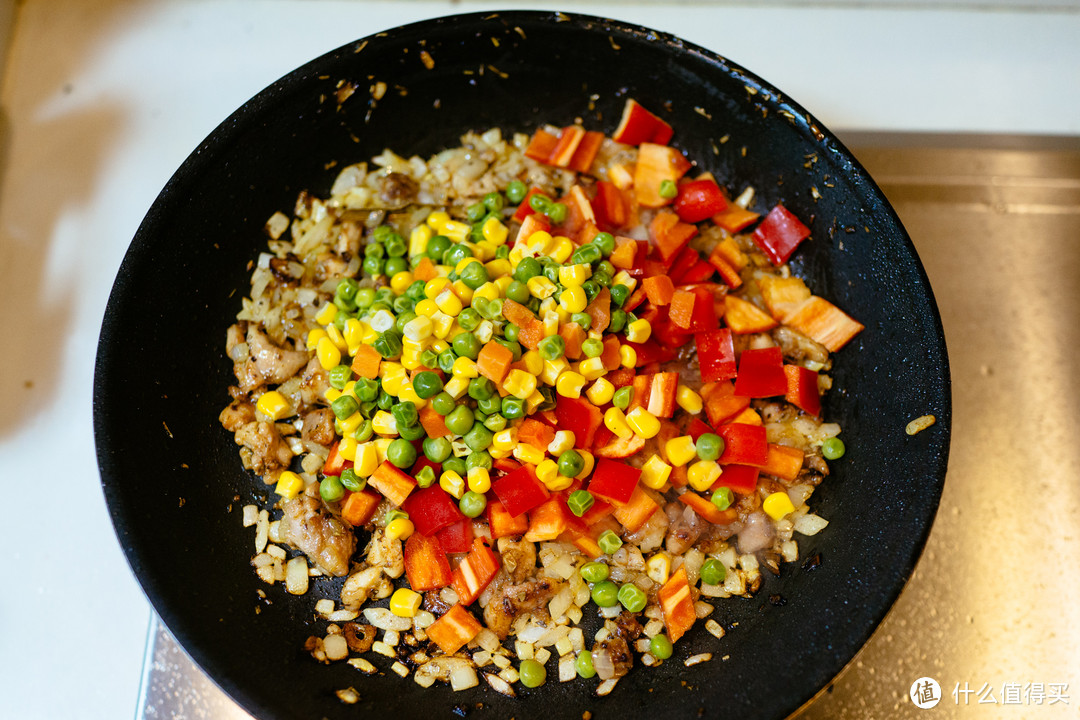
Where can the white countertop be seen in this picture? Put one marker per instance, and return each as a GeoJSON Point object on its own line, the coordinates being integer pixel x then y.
{"type": "Point", "coordinates": [102, 101]}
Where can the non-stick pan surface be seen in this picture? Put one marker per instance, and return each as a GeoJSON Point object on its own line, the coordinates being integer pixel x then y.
{"type": "Point", "coordinates": [172, 476]}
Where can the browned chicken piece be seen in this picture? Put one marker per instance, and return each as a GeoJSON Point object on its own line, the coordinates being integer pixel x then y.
{"type": "Point", "coordinates": [313, 383]}
{"type": "Point", "coordinates": [518, 558]}
{"type": "Point", "coordinates": [685, 528]}
{"type": "Point", "coordinates": [268, 451]}
{"type": "Point", "coordinates": [328, 542]}
{"type": "Point", "coordinates": [275, 364]}
{"type": "Point", "coordinates": [514, 599]}
{"type": "Point", "coordinates": [238, 414]}
{"type": "Point", "coordinates": [319, 427]}
{"type": "Point", "coordinates": [397, 189]}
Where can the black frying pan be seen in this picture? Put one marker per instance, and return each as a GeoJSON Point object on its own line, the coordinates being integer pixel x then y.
{"type": "Point", "coordinates": [171, 474]}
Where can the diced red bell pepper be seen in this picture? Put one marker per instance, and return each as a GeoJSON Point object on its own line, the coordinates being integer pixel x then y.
{"type": "Point", "coordinates": [761, 373]}
{"type": "Point", "coordinates": [502, 524]}
{"type": "Point", "coordinates": [743, 444]}
{"type": "Point", "coordinates": [682, 263]}
{"type": "Point", "coordinates": [579, 415]}
{"type": "Point", "coordinates": [721, 402]}
{"type": "Point", "coordinates": [431, 509]}
{"type": "Point", "coordinates": [779, 234]}
{"type": "Point", "coordinates": [426, 565]}
{"type": "Point", "coordinates": [614, 481]}
{"type": "Point", "coordinates": [698, 200]}
{"type": "Point", "coordinates": [520, 491]}
{"type": "Point", "coordinates": [638, 125]}
{"type": "Point", "coordinates": [599, 510]}
{"type": "Point", "coordinates": [802, 389]}
{"type": "Point", "coordinates": [669, 234]}
{"type": "Point", "coordinates": [697, 428]}
{"type": "Point", "coordinates": [637, 511]}
{"type": "Point", "coordinates": [456, 537]}
{"type": "Point", "coordinates": [599, 310]}
{"type": "Point", "coordinates": [716, 354]}
{"type": "Point", "coordinates": [586, 151]}
{"type": "Point", "coordinates": [609, 206]}
{"type": "Point", "coordinates": [547, 521]}
{"type": "Point", "coordinates": [475, 572]}
{"type": "Point", "coordinates": [740, 478]}
{"type": "Point", "coordinates": [701, 271]}
{"type": "Point", "coordinates": [677, 604]}
{"type": "Point", "coordinates": [650, 351]}
{"type": "Point", "coordinates": [454, 630]}
{"type": "Point", "coordinates": [662, 389]}
{"type": "Point", "coordinates": [615, 447]}
{"type": "Point", "coordinates": [565, 146]}
{"type": "Point", "coordinates": [541, 145]}
{"type": "Point", "coordinates": [505, 465]}
{"type": "Point", "coordinates": [335, 463]}
{"type": "Point", "coordinates": [693, 309]}
{"type": "Point", "coordinates": [734, 218]}
{"type": "Point", "coordinates": [705, 508]}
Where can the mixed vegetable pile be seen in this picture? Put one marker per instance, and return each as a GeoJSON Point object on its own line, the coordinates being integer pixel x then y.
{"type": "Point", "coordinates": [560, 369]}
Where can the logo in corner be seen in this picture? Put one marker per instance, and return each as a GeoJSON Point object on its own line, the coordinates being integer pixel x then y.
{"type": "Point", "coordinates": [925, 693]}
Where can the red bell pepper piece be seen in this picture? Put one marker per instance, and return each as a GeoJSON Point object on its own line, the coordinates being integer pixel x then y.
{"type": "Point", "coordinates": [609, 206]}
{"type": "Point", "coordinates": [525, 209]}
{"type": "Point", "coordinates": [705, 508]}
{"type": "Point", "coordinates": [699, 272]}
{"type": "Point", "coordinates": [743, 444]}
{"type": "Point", "coordinates": [454, 630]}
{"type": "Point", "coordinates": [335, 463]}
{"type": "Point", "coordinates": [541, 145]}
{"type": "Point", "coordinates": [456, 537]}
{"type": "Point", "coordinates": [614, 481]}
{"type": "Point", "coordinates": [802, 389]}
{"type": "Point", "coordinates": [716, 354]}
{"type": "Point", "coordinates": [669, 234]}
{"type": "Point", "coordinates": [649, 352]}
{"type": "Point", "coordinates": [721, 402]}
{"type": "Point", "coordinates": [682, 264]}
{"type": "Point", "coordinates": [662, 388]}
{"type": "Point", "coordinates": [431, 509]}
{"type": "Point", "coordinates": [637, 511]}
{"type": "Point", "coordinates": [638, 125]}
{"type": "Point", "coordinates": [693, 309]}
{"type": "Point", "coordinates": [547, 521]}
{"type": "Point", "coordinates": [565, 146]}
{"type": "Point", "coordinates": [502, 524]}
{"type": "Point", "coordinates": [677, 604]}
{"type": "Point", "coordinates": [697, 428]}
{"type": "Point", "coordinates": [779, 234]}
{"type": "Point", "coordinates": [475, 572]}
{"type": "Point", "coordinates": [586, 151]}
{"type": "Point", "coordinates": [579, 415]}
{"type": "Point", "coordinates": [698, 200]}
{"type": "Point", "coordinates": [520, 491]}
{"type": "Point", "coordinates": [761, 373]}
{"type": "Point", "coordinates": [740, 478]}
{"type": "Point", "coordinates": [426, 565]}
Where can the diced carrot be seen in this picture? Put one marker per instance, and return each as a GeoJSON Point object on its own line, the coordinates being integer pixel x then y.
{"type": "Point", "coordinates": [610, 356]}
{"type": "Point", "coordinates": [624, 254]}
{"type": "Point", "coordinates": [494, 361]}
{"type": "Point", "coordinates": [783, 462]}
{"type": "Point", "coordinates": [642, 385]}
{"type": "Point", "coordinates": [540, 146]}
{"type": "Point", "coordinates": [586, 151]}
{"type": "Point", "coordinates": [359, 507]}
{"type": "Point", "coordinates": [454, 630]}
{"type": "Point", "coordinates": [662, 394]}
{"type": "Point", "coordinates": [822, 321]}
{"type": "Point", "coordinates": [546, 521]}
{"type": "Point", "coordinates": [734, 218]}
{"type": "Point", "coordinates": [748, 416]}
{"type": "Point", "coordinates": [681, 308]}
{"type": "Point", "coordinates": [565, 146]}
{"type": "Point", "coordinates": [572, 336]}
{"type": "Point", "coordinates": [655, 164]}
{"type": "Point", "coordinates": [366, 362]}
{"type": "Point", "coordinates": [669, 234]}
{"type": "Point", "coordinates": [705, 508]}
{"type": "Point", "coordinates": [433, 423]}
{"type": "Point", "coordinates": [744, 317]}
{"type": "Point", "coordinates": [721, 403]}
{"type": "Point", "coordinates": [475, 572]}
{"type": "Point", "coordinates": [535, 433]}
{"type": "Point", "coordinates": [599, 310]}
{"type": "Point", "coordinates": [502, 524]}
{"type": "Point", "coordinates": [425, 270]}
{"type": "Point", "coordinates": [637, 511]}
{"type": "Point", "coordinates": [659, 289]}
{"type": "Point", "coordinates": [587, 545]}
{"type": "Point", "coordinates": [679, 476]}
{"type": "Point", "coordinates": [426, 566]}
{"type": "Point", "coordinates": [723, 266]}
{"type": "Point", "coordinates": [392, 482]}
{"type": "Point", "coordinates": [530, 329]}
{"type": "Point", "coordinates": [677, 604]}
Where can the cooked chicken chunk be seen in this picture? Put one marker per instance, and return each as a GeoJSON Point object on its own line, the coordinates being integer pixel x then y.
{"type": "Point", "coordinates": [307, 526]}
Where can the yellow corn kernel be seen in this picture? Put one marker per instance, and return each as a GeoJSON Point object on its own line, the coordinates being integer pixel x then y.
{"type": "Point", "coordinates": [465, 367]}
{"type": "Point", "coordinates": [561, 249]}
{"type": "Point", "coordinates": [638, 331]}
{"type": "Point", "coordinates": [563, 313]}
{"type": "Point", "coordinates": [570, 384]}
{"type": "Point", "coordinates": [485, 250]}
{"type": "Point", "coordinates": [449, 302]}
{"type": "Point", "coordinates": [551, 323]}
{"type": "Point", "coordinates": [778, 505]}
{"type": "Point", "coordinates": [354, 332]}
{"type": "Point", "coordinates": [439, 345]}
{"type": "Point", "coordinates": [534, 364]}
{"type": "Point", "coordinates": [539, 242]}
{"type": "Point", "coordinates": [464, 263]}
{"type": "Point", "coordinates": [547, 470]}
{"type": "Point", "coordinates": [350, 389]}
{"type": "Point", "coordinates": [547, 305]}
{"type": "Point", "coordinates": [553, 369]}
{"type": "Point", "coordinates": [349, 424]}
{"type": "Point", "coordinates": [497, 268]}
{"type": "Point", "coordinates": [655, 473]}
{"type": "Point", "coordinates": [658, 568]}
{"type": "Point", "coordinates": [592, 368]}
{"type": "Point", "coordinates": [497, 454]}
{"type": "Point", "coordinates": [624, 278]}
{"type": "Point", "coordinates": [400, 529]}
{"type": "Point", "coordinates": [313, 338]}
{"type": "Point", "coordinates": [573, 299]}
{"type": "Point", "coordinates": [434, 286]}
{"type": "Point", "coordinates": [419, 328]}
{"type": "Point", "coordinates": [456, 386]}
{"type": "Point", "coordinates": [418, 239]}
{"type": "Point", "coordinates": [332, 394]}
{"type": "Point", "coordinates": [326, 315]}
{"type": "Point", "coordinates": [347, 448]}
{"type": "Point", "coordinates": [382, 445]}
{"type": "Point", "coordinates": [289, 484]}
{"type": "Point", "coordinates": [564, 440]}
{"type": "Point", "coordinates": [518, 383]}
{"type": "Point", "coordinates": [452, 483]}
{"type": "Point", "coordinates": [505, 439]}
{"type": "Point", "coordinates": [528, 454]}
{"type": "Point", "coordinates": [393, 382]}
{"type": "Point", "coordinates": [456, 230]}
{"type": "Point", "coordinates": [533, 401]}
{"type": "Point", "coordinates": [405, 602]}
{"type": "Point", "coordinates": [574, 275]}
{"type": "Point", "coordinates": [590, 462]}
{"type": "Point", "coordinates": [702, 474]}
{"type": "Point", "coordinates": [484, 331]}
{"type": "Point", "coordinates": [688, 400]}
{"type": "Point", "coordinates": [367, 459]}
{"type": "Point", "coordinates": [680, 450]}
{"type": "Point", "coordinates": [643, 422]}
{"type": "Point", "coordinates": [517, 253]}
{"type": "Point", "coordinates": [384, 423]}
{"type": "Point", "coordinates": [600, 392]}
{"type": "Point", "coordinates": [540, 287]}
{"type": "Point", "coordinates": [328, 353]}
{"type": "Point", "coordinates": [479, 480]}
{"type": "Point", "coordinates": [274, 405]}
{"type": "Point", "coordinates": [489, 291]}
{"type": "Point", "coordinates": [370, 334]}
{"type": "Point", "coordinates": [426, 307]}
{"type": "Point", "coordinates": [441, 324]}
{"type": "Point", "coordinates": [494, 231]}
{"type": "Point", "coordinates": [401, 281]}
{"type": "Point", "coordinates": [627, 356]}
{"type": "Point", "coordinates": [408, 394]}
{"type": "Point", "coordinates": [335, 336]}
{"type": "Point", "coordinates": [463, 291]}
{"type": "Point", "coordinates": [502, 283]}
{"type": "Point", "coordinates": [559, 482]}
{"type": "Point", "coordinates": [380, 320]}
{"type": "Point", "coordinates": [615, 421]}
{"type": "Point", "coordinates": [437, 219]}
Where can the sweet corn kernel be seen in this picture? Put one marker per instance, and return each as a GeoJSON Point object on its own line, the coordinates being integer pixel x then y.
{"type": "Point", "coordinates": [539, 242]}
{"type": "Point", "coordinates": [600, 392]}
{"type": "Point", "coordinates": [289, 484]}
{"type": "Point", "coordinates": [449, 302]}
{"type": "Point", "coordinates": [426, 307]}
{"type": "Point", "coordinates": [274, 405]}
{"type": "Point", "coordinates": [463, 292]}
{"type": "Point", "coordinates": [643, 422]}
{"type": "Point", "coordinates": [332, 394]}
{"type": "Point", "coordinates": [570, 384]}
{"type": "Point", "coordinates": [559, 482]}
{"type": "Point", "coordinates": [408, 394]}
{"type": "Point", "coordinates": [370, 334]}
{"type": "Point", "coordinates": [489, 291]}
{"type": "Point", "coordinates": [405, 602]}
{"type": "Point", "coordinates": [505, 439]}
{"type": "Point", "coordinates": [382, 445]}
{"type": "Point", "coordinates": [498, 454]}
{"type": "Point", "coordinates": [418, 239]}
{"type": "Point", "coordinates": [778, 505]}
{"type": "Point", "coordinates": [534, 401]}
{"type": "Point", "coordinates": [456, 386]}
{"type": "Point", "coordinates": [439, 345]}
{"type": "Point", "coordinates": [441, 324]}
{"type": "Point", "coordinates": [419, 328]}
{"type": "Point", "coordinates": [452, 483]}
{"type": "Point", "coordinates": [434, 286]}
{"type": "Point", "coordinates": [350, 389]}
{"type": "Point", "coordinates": [337, 338]}
{"type": "Point", "coordinates": [464, 263]}
{"type": "Point", "coordinates": [655, 473]}
{"type": "Point", "coordinates": [479, 480]}
{"type": "Point", "coordinates": [328, 353]}
{"type": "Point", "coordinates": [540, 287]}
{"type": "Point", "coordinates": [465, 367]}
{"type": "Point", "coordinates": [547, 470]}
{"type": "Point", "coordinates": [502, 283]}
{"type": "Point", "coordinates": [688, 400]}
{"type": "Point", "coordinates": [615, 421]}
{"type": "Point", "coordinates": [401, 281]}
{"type": "Point", "coordinates": [532, 362]}
{"type": "Point", "coordinates": [590, 462]}
{"type": "Point", "coordinates": [547, 305]}
{"type": "Point", "coordinates": [456, 230]}
{"type": "Point", "coordinates": [497, 268]}
{"type": "Point", "coordinates": [680, 450]}
{"type": "Point", "coordinates": [484, 331]}
{"type": "Point", "coordinates": [591, 368]}
{"type": "Point", "coordinates": [529, 454]}
{"type": "Point", "coordinates": [575, 275]}
{"type": "Point", "coordinates": [354, 332]}
{"type": "Point", "coordinates": [573, 299]}
{"type": "Point", "coordinates": [517, 253]}
{"type": "Point", "coordinates": [313, 338]}
{"type": "Point", "coordinates": [400, 529]}
{"type": "Point", "coordinates": [349, 424]}
{"type": "Point", "coordinates": [394, 381]}
{"type": "Point", "coordinates": [564, 440]}
{"type": "Point", "coordinates": [561, 249]}
{"type": "Point", "coordinates": [326, 315]}
{"type": "Point", "coordinates": [553, 369]}
{"type": "Point", "coordinates": [384, 423]}
{"type": "Point", "coordinates": [551, 323]}
{"type": "Point", "coordinates": [519, 383]}
{"type": "Point", "coordinates": [367, 459]}
{"type": "Point", "coordinates": [658, 568]}
{"type": "Point", "coordinates": [627, 356]}
{"type": "Point", "coordinates": [624, 278]}
{"type": "Point", "coordinates": [347, 448]}
{"type": "Point", "coordinates": [437, 219]}
{"type": "Point", "coordinates": [638, 331]}
{"type": "Point", "coordinates": [563, 313]}
{"type": "Point", "coordinates": [702, 474]}
{"type": "Point", "coordinates": [494, 231]}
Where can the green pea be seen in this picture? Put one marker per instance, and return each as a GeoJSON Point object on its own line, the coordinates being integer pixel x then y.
{"type": "Point", "coordinates": [539, 203]}
{"type": "Point", "coordinates": [402, 320]}
{"type": "Point", "coordinates": [375, 250]}
{"type": "Point", "coordinates": [516, 191]}
{"type": "Point", "coordinates": [623, 397]}
{"type": "Point", "coordinates": [591, 289]}
{"type": "Point", "coordinates": [531, 673]}
{"type": "Point", "coordinates": [460, 421]}
{"type": "Point", "coordinates": [710, 446]}
{"type": "Point", "coordinates": [472, 504]}
{"type": "Point", "coordinates": [446, 360]}
{"type": "Point", "coordinates": [533, 305]}
{"type": "Point", "coordinates": [396, 265]}
{"type": "Point", "coordinates": [384, 295]}
{"type": "Point", "coordinates": [513, 408]}
{"type": "Point", "coordinates": [466, 345]}
{"type": "Point", "coordinates": [412, 432]}
{"type": "Point", "coordinates": [527, 269]}
{"type": "Point", "coordinates": [373, 266]}
{"type": "Point", "coordinates": [478, 437]}
{"type": "Point", "coordinates": [468, 319]}
{"type": "Point", "coordinates": [364, 297]}
{"type": "Point", "coordinates": [344, 407]}
{"type": "Point", "coordinates": [388, 345]}
{"type": "Point", "coordinates": [609, 542]}
{"type": "Point", "coordinates": [548, 403]}
{"type": "Point", "coordinates": [551, 272]}
{"type": "Point", "coordinates": [443, 403]}
{"type": "Point", "coordinates": [668, 189]}
{"type": "Point", "coordinates": [617, 321]}
{"type": "Point", "coordinates": [366, 389]}
{"type": "Point", "coordinates": [426, 477]}
{"type": "Point", "coordinates": [405, 413]}
{"type": "Point", "coordinates": [584, 665]}
{"type": "Point", "coordinates": [494, 202]}
{"type": "Point", "coordinates": [382, 232]}
{"type": "Point", "coordinates": [437, 449]}
{"type": "Point", "coordinates": [339, 376]}
{"type": "Point", "coordinates": [403, 304]}
{"type": "Point", "coordinates": [350, 480]}
{"type": "Point", "coordinates": [330, 489]}
{"type": "Point", "coordinates": [394, 514]}
{"type": "Point", "coordinates": [401, 453]}
{"type": "Point", "coordinates": [619, 294]}
{"type": "Point", "coordinates": [660, 647]}
{"type": "Point", "coordinates": [502, 252]}
{"type": "Point", "coordinates": [478, 459]}
{"type": "Point", "coordinates": [490, 310]}
{"type": "Point", "coordinates": [367, 409]}
{"type": "Point", "coordinates": [437, 247]}
{"type": "Point", "coordinates": [511, 332]}
{"type": "Point", "coordinates": [456, 254]}
{"type": "Point", "coordinates": [455, 464]}
{"type": "Point", "coordinates": [605, 593]}
{"type": "Point", "coordinates": [632, 597]}
{"type": "Point", "coordinates": [416, 291]}
{"type": "Point", "coordinates": [592, 347]}
{"type": "Point", "coordinates": [427, 384]}
{"type": "Point", "coordinates": [606, 243]}
{"type": "Point", "coordinates": [552, 347]}
{"type": "Point", "coordinates": [579, 501]}
{"type": "Point", "coordinates": [512, 345]}
{"type": "Point", "coordinates": [594, 572]}
{"type": "Point", "coordinates": [346, 289]}
{"type": "Point", "coordinates": [396, 247]}
{"type": "Point", "coordinates": [364, 432]}
{"type": "Point", "coordinates": [480, 388]}
{"type": "Point", "coordinates": [713, 572]}
{"type": "Point", "coordinates": [518, 291]}
{"type": "Point", "coordinates": [833, 449]}
{"type": "Point", "coordinates": [489, 405]}
{"type": "Point", "coordinates": [722, 498]}
{"type": "Point", "coordinates": [571, 464]}
{"type": "Point", "coordinates": [475, 212]}
{"type": "Point", "coordinates": [557, 212]}
{"type": "Point", "coordinates": [385, 400]}
{"type": "Point", "coordinates": [584, 320]}
{"type": "Point", "coordinates": [474, 275]}
{"type": "Point", "coordinates": [586, 254]}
